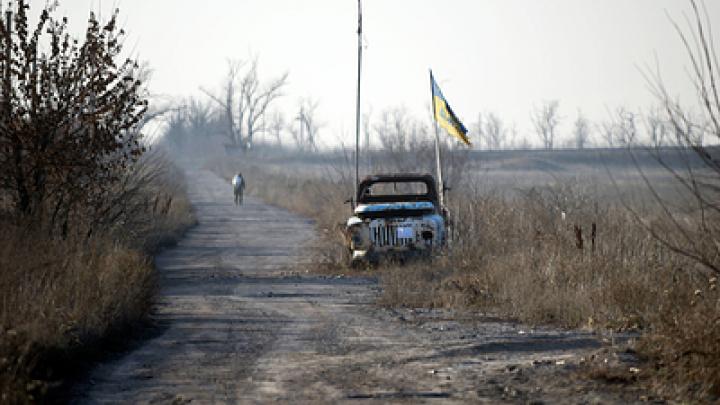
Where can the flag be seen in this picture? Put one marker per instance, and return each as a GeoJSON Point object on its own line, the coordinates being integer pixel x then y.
{"type": "Point", "coordinates": [445, 116]}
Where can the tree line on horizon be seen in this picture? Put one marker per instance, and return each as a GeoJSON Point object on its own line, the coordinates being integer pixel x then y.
{"type": "Point", "coordinates": [243, 112]}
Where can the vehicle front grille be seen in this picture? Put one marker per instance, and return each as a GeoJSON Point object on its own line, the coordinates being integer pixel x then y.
{"type": "Point", "coordinates": [384, 235]}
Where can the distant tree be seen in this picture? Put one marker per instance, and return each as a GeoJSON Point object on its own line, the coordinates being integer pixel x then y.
{"type": "Point", "coordinates": [276, 126]}
{"type": "Point", "coordinates": [393, 129]}
{"type": "Point", "coordinates": [245, 100]}
{"type": "Point", "coordinates": [70, 112]}
{"type": "Point", "coordinates": [227, 101]}
{"type": "Point", "coordinates": [305, 134]}
{"type": "Point", "coordinates": [176, 132]}
{"type": "Point", "coordinates": [494, 131]}
{"type": "Point", "coordinates": [367, 130]}
{"type": "Point", "coordinates": [581, 131]}
{"type": "Point", "coordinates": [524, 143]}
{"type": "Point", "coordinates": [546, 119]}
{"type": "Point", "coordinates": [405, 141]}
{"type": "Point", "coordinates": [479, 129]}
{"type": "Point", "coordinates": [607, 132]}
{"type": "Point", "coordinates": [626, 127]}
{"type": "Point", "coordinates": [257, 97]}
{"type": "Point", "coordinates": [199, 118]}
{"type": "Point", "coordinates": [656, 127]}
{"type": "Point", "coordinates": [512, 136]}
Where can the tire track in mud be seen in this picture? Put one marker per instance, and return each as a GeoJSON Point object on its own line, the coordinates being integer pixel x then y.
{"type": "Point", "coordinates": [239, 327]}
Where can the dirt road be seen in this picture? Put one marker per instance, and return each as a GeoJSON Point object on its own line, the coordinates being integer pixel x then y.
{"type": "Point", "coordinates": [239, 327]}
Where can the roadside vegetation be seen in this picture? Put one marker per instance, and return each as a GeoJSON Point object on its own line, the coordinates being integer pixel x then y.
{"type": "Point", "coordinates": [627, 242]}
{"type": "Point", "coordinates": [82, 205]}
{"type": "Point", "coordinates": [561, 252]}
{"type": "Point", "coordinates": [617, 231]}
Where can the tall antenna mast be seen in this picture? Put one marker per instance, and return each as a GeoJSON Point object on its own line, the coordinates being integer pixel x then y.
{"type": "Point", "coordinates": [357, 102]}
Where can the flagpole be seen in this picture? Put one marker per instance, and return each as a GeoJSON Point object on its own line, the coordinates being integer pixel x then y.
{"type": "Point", "coordinates": [438, 164]}
{"type": "Point", "coordinates": [357, 101]}
{"type": "Point", "coordinates": [441, 183]}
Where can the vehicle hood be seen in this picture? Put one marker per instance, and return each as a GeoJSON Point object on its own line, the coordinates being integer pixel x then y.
{"type": "Point", "coordinates": [399, 206]}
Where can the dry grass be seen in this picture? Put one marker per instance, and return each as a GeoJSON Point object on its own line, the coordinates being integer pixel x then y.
{"type": "Point", "coordinates": [515, 255]}
{"type": "Point", "coordinates": [58, 295]}
{"type": "Point", "coordinates": [63, 298]}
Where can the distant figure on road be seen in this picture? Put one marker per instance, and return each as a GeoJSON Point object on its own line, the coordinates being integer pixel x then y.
{"type": "Point", "coordinates": [238, 186]}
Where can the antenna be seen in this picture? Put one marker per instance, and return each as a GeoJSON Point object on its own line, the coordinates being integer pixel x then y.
{"type": "Point", "coordinates": [357, 101]}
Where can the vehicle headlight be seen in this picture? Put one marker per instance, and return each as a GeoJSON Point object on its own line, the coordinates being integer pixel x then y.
{"type": "Point", "coordinates": [359, 237]}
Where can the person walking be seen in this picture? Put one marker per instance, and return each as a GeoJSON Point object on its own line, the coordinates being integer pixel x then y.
{"type": "Point", "coordinates": [238, 183]}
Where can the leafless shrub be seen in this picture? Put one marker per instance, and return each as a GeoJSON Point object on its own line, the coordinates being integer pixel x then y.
{"type": "Point", "coordinates": [69, 116]}
{"type": "Point", "coordinates": [683, 343]}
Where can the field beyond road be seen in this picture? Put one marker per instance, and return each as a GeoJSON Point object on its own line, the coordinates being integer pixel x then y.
{"type": "Point", "coordinates": [239, 324]}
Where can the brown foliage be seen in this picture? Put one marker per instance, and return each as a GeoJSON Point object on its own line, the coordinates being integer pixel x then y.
{"type": "Point", "coordinates": [62, 296]}
{"type": "Point", "coordinates": [81, 206]}
{"type": "Point", "coordinates": [68, 116]}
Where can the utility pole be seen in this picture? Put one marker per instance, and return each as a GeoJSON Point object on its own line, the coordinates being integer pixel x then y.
{"type": "Point", "coordinates": [357, 102]}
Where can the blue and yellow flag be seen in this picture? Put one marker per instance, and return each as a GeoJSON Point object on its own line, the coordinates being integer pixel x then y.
{"type": "Point", "coordinates": [445, 116]}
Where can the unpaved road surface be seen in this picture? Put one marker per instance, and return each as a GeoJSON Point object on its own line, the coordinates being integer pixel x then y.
{"type": "Point", "coordinates": [238, 326]}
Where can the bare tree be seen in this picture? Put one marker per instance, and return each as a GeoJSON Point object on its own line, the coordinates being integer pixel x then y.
{"type": "Point", "coordinates": [392, 129]}
{"type": "Point", "coordinates": [545, 119]}
{"type": "Point", "coordinates": [199, 118]}
{"type": "Point", "coordinates": [306, 131]}
{"type": "Point", "coordinates": [607, 131]}
{"type": "Point", "coordinates": [494, 131]}
{"type": "Point", "coordinates": [656, 128]}
{"type": "Point", "coordinates": [581, 131]}
{"type": "Point", "coordinates": [245, 100]}
{"type": "Point", "coordinates": [480, 130]}
{"type": "Point", "coordinates": [367, 130]}
{"type": "Point", "coordinates": [626, 127]}
{"type": "Point", "coordinates": [227, 102]}
{"type": "Point", "coordinates": [277, 124]}
{"type": "Point", "coordinates": [176, 131]}
{"type": "Point", "coordinates": [406, 142]}
{"type": "Point", "coordinates": [257, 97]}
{"type": "Point", "coordinates": [693, 233]}
{"type": "Point", "coordinates": [512, 136]}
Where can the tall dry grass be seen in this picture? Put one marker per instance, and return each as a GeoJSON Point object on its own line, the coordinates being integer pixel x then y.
{"type": "Point", "coordinates": [62, 299]}
{"type": "Point", "coordinates": [515, 255]}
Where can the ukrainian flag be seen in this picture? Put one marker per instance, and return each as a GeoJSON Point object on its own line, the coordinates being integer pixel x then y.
{"type": "Point", "coordinates": [445, 116]}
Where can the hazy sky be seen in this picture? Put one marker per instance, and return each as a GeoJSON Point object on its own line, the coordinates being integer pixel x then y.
{"type": "Point", "coordinates": [501, 56]}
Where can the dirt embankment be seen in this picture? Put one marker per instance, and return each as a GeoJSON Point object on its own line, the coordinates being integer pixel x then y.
{"type": "Point", "coordinates": [237, 326]}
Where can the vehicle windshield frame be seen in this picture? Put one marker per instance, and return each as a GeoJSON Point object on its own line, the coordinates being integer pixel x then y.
{"type": "Point", "coordinates": [365, 197]}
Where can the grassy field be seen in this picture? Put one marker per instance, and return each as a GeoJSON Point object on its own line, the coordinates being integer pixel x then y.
{"type": "Point", "coordinates": [513, 254]}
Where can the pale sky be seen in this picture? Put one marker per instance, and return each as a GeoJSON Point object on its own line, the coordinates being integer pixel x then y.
{"type": "Point", "coordinates": [501, 56]}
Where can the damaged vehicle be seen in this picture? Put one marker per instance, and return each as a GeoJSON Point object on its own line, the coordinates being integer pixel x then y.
{"type": "Point", "coordinates": [396, 216]}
